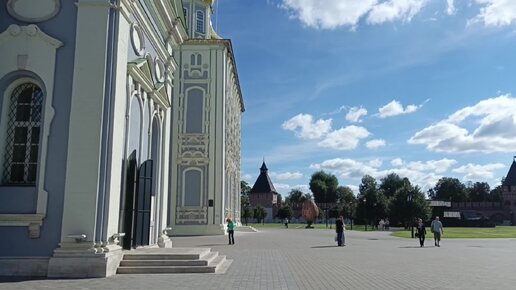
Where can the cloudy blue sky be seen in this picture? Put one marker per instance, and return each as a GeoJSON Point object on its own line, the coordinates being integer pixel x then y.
{"type": "Point", "coordinates": [423, 88]}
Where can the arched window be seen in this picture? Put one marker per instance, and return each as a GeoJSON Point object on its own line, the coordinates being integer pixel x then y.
{"type": "Point", "coordinates": [200, 21]}
{"type": "Point", "coordinates": [199, 59]}
{"type": "Point", "coordinates": [192, 59]}
{"type": "Point", "coordinates": [23, 135]}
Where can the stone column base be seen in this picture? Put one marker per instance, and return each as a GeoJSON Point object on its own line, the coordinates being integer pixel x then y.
{"type": "Point", "coordinates": [164, 241]}
{"type": "Point", "coordinates": [85, 263]}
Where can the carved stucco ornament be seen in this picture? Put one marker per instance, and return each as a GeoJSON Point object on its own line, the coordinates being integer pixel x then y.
{"type": "Point", "coordinates": [33, 10]}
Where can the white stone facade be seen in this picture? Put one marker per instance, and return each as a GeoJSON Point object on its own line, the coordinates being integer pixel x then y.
{"type": "Point", "coordinates": [139, 133]}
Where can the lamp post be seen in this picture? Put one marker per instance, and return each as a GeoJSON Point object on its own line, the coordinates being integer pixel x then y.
{"type": "Point", "coordinates": [365, 213]}
{"type": "Point", "coordinates": [411, 218]}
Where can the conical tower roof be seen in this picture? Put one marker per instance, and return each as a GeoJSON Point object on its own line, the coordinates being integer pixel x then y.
{"type": "Point", "coordinates": [510, 180]}
{"type": "Point", "coordinates": [263, 183]}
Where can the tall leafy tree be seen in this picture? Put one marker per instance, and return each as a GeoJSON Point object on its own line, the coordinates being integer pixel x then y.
{"type": "Point", "coordinates": [347, 201]}
{"type": "Point", "coordinates": [324, 187]}
{"type": "Point", "coordinates": [247, 213]}
{"type": "Point", "coordinates": [372, 203]}
{"type": "Point", "coordinates": [260, 214]}
{"type": "Point", "coordinates": [295, 196]}
{"type": "Point", "coordinates": [496, 194]}
{"type": "Point", "coordinates": [391, 183]}
{"type": "Point", "coordinates": [285, 212]}
{"type": "Point", "coordinates": [479, 191]}
{"type": "Point", "coordinates": [408, 203]}
{"type": "Point", "coordinates": [244, 187]}
{"type": "Point", "coordinates": [449, 189]}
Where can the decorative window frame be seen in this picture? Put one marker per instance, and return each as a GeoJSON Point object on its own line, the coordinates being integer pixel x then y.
{"type": "Point", "coordinates": [18, 45]}
{"type": "Point", "coordinates": [183, 187]}
{"type": "Point", "coordinates": [203, 109]}
{"type": "Point", "coordinates": [198, 20]}
{"type": "Point", "coordinates": [4, 121]}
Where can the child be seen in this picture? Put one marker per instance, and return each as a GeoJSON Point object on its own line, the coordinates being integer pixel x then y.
{"type": "Point", "coordinates": [231, 231]}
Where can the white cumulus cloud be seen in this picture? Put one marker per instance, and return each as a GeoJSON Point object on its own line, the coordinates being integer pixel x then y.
{"type": "Point", "coordinates": [330, 14]}
{"type": "Point", "coordinates": [477, 172]}
{"type": "Point", "coordinates": [496, 12]}
{"type": "Point", "coordinates": [423, 173]}
{"type": "Point", "coordinates": [346, 138]}
{"type": "Point", "coordinates": [355, 114]}
{"type": "Point", "coordinates": [305, 127]}
{"type": "Point", "coordinates": [450, 9]}
{"type": "Point", "coordinates": [375, 144]}
{"type": "Point", "coordinates": [495, 121]}
{"type": "Point", "coordinates": [396, 162]}
{"type": "Point", "coordinates": [393, 10]}
{"type": "Point", "coordinates": [286, 175]}
{"type": "Point", "coordinates": [395, 108]}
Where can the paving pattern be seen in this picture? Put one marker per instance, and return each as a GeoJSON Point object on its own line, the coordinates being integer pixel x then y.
{"type": "Point", "coordinates": [309, 259]}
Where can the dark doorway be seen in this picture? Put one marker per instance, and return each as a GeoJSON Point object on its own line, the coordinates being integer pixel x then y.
{"type": "Point", "coordinates": [143, 205]}
{"type": "Point", "coordinates": [127, 201]}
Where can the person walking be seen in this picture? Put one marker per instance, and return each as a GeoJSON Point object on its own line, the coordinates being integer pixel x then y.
{"type": "Point", "coordinates": [421, 232]}
{"type": "Point", "coordinates": [437, 230]}
{"type": "Point", "coordinates": [339, 228]}
{"type": "Point", "coordinates": [285, 221]}
{"type": "Point", "coordinates": [231, 231]}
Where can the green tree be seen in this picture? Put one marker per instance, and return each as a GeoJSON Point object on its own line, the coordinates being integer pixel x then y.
{"type": "Point", "coordinates": [244, 187]}
{"type": "Point", "coordinates": [372, 204]}
{"type": "Point", "coordinates": [479, 191]}
{"type": "Point", "coordinates": [324, 187]}
{"type": "Point", "coordinates": [247, 213]}
{"type": "Point", "coordinates": [390, 184]}
{"type": "Point", "coordinates": [496, 194]}
{"type": "Point", "coordinates": [285, 212]}
{"type": "Point", "coordinates": [408, 203]}
{"type": "Point", "coordinates": [295, 196]}
{"type": "Point", "coordinates": [347, 201]}
{"type": "Point", "coordinates": [449, 189]}
{"type": "Point", "coordinates": [260, 214]}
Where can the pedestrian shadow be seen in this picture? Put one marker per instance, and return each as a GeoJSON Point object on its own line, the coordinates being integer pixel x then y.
{"type": "Point", "coordinates": [415, 247]}
{"type": "Point", "coordinates": [322, 247]}
{"type": "Point", "coordinates": [213, 245]}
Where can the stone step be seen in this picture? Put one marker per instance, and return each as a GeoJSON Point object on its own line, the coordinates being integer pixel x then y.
{"type": "Point", "coordinates": [166, 270]}
{"type": "Point", "coordinates": [206, 259]}
{"type": "Point", "coordinates": [217, 265]}
{"type": "Point", "coordinates": [156, 255]}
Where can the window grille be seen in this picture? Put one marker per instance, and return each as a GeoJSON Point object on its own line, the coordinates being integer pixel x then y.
{"type": "Point", "coordinates": [200, 22]}
{"type": "Point", "coordinates": [23, 135]}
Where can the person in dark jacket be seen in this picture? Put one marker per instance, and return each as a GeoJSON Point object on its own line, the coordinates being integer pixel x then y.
{"type": "Point", "coordinates": [421, 232]}
{"type": "Point", "coordinates": [339, 228]}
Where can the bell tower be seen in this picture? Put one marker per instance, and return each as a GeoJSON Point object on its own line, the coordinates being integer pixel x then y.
{"type": "Point", "coordinates": [198, 17]}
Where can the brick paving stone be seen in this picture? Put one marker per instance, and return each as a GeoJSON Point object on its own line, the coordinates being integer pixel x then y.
{"type": "Point", "coordinates": [309, 259]}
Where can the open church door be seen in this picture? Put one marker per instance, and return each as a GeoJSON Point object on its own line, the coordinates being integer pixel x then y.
{"type": "Point", "coordinates": [127, 202]}
{"type": "Point", "coordinates": [143, 205]}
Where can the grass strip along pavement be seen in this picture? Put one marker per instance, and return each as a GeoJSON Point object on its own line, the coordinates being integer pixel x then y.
{"type": "Point", "coordinates": [468, 233]}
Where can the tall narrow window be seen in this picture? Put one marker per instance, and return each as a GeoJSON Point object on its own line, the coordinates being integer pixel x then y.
{"type": "Point", "coordinates": [194, 111]}
{"type": "Point", "coordinates": [23, 135]}
{"type": "Point", "coordinates": [200, 21]}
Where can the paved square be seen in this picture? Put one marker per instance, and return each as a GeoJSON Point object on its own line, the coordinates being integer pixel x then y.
{"type": "Point", "coordinates": [308, 259]}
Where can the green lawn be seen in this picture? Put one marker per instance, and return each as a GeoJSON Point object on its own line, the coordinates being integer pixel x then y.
{"type": "Point", "coordinates": [468, 233]}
